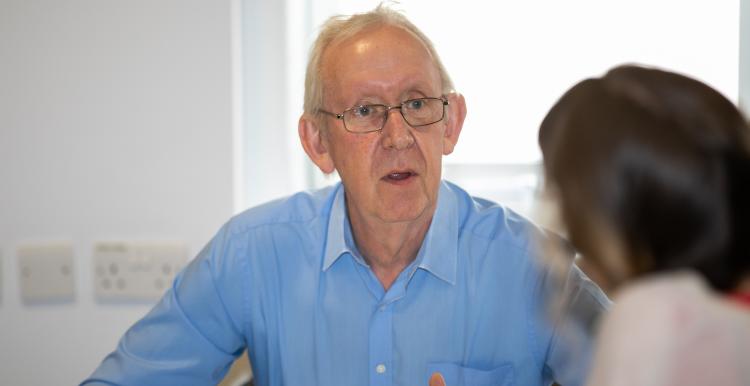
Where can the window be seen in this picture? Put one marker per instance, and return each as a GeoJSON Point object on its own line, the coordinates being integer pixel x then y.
{"type": "Point", "coordinates": [512, 60]}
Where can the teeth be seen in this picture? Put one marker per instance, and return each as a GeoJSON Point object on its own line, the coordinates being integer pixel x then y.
{"type": "Point", "coordinates": [399, 176]}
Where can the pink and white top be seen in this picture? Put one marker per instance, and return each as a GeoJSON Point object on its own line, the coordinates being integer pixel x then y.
{"type": "Point", "coordinates": [672, 330]}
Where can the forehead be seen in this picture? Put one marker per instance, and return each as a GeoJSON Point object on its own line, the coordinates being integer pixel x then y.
{"type": "Point", "coordinates": [383, 62]}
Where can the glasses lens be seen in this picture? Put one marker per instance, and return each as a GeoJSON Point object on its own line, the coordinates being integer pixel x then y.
{"type": "Point", "coordinates": [416, 112]}
{"type": "Point", "coordinates": [365, 118]}
{"type": "Point", "coordinates": [423, 111]}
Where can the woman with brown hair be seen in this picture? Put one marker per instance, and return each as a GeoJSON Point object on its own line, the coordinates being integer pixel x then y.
{"type": "Point", "coordinates": [652, 173]}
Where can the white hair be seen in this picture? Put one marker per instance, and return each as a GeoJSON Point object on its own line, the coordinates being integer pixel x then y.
{"type": "Point", "coordinates": [341, 27]}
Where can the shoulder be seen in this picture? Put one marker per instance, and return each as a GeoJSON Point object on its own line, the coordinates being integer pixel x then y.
{"type": "Point", "coordinates": [680, 304]}
{"type": "Point", "coordinates": [662, 298]}
{"type": "Point", "coordinates": [657, 312]}
{"type": "Point", "coordinates": [259, 238]}
{"type": "Point", "coordinates": [300, 217]}
{"type": "Point", "coordinates": [301, 207]}
{"type": "Point", "coordinates": [656, 307]}
{"type": "Point", "coordinates": [500, 241]}
{"type": "Point", "coordinates": [485, 219]}
{"type": "Point", "coordinates": [661, 326]}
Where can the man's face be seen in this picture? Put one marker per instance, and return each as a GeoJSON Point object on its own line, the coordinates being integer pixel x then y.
{"type": "Point", "coordinates": [392, 175]}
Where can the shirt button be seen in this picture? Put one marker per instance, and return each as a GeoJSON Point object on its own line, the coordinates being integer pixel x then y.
{"type": "Point", "coordinates": [380, 369]}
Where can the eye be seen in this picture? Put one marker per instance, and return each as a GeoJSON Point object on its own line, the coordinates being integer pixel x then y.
{"type": "Point", "coordinates": [415, 104]}
{"type": "Point", "coordinates": [362, 111]}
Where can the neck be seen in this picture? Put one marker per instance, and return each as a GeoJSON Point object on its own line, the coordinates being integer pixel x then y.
{"type": "Point", "coordinates": [388, 247]}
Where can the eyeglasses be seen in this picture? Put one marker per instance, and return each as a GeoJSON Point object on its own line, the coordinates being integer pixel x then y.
{"type": "Point", "coordinates": [369, 118]}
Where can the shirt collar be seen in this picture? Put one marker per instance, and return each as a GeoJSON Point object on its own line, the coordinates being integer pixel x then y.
{"type": "Point", "coordinates": [337, 229]}
{"type": "Point", "coordinates": [439, 252]}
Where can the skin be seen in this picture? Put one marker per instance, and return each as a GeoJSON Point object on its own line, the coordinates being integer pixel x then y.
{"type": "Point", "coordinates": [389, 216]}
{"type": "Point", "coordinates": [436, 379]}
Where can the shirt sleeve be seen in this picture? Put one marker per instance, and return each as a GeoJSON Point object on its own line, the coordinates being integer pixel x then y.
{"type": "Point", "coordinates": [192, 335]}
{"type": "Point", "coordinates": [575, 306]}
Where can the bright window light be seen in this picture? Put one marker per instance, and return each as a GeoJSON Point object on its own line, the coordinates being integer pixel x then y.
{"type": "Point", "coordinates": [513, 59]}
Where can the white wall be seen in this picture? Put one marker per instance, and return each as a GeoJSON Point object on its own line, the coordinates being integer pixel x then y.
{"type": "Point", "coordinates": [115, 123]}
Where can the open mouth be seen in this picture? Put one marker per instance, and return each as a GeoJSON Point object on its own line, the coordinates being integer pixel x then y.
{"type": "Point", "coordinates": [399, 176]}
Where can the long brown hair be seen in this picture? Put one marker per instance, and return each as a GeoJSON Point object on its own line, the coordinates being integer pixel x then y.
{"type": "Point", "coordinates": [659, 160]}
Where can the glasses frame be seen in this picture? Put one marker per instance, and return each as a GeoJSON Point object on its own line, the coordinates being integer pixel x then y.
{"type": "Point", "coordinates": [387, 113]}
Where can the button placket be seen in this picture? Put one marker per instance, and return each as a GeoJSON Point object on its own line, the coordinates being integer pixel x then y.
{"type": "Point", "coordinates": [381, 346]}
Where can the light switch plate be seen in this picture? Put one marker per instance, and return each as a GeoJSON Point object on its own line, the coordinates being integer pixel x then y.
{"type": "Point", "coordinates": [47, 272]}
{"type": "Point", "coordinates": [134, 271]}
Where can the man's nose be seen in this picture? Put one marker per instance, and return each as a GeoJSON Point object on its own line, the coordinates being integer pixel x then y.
{"type": "Point", "coordinates": [397, 134]}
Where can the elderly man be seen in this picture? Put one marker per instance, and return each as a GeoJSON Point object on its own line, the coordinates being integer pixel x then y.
{"type": "Point", "coordinates": [389, 278]}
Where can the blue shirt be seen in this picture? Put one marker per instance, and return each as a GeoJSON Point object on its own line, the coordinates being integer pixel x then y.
{"type": "Point", "coordinates": [286, 281]}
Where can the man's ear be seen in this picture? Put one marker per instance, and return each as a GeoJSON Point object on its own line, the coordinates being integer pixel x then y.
{"type": "Point", "coordinates": [315, 144]}
{"type": "Point", "coordinates": [454, 121]}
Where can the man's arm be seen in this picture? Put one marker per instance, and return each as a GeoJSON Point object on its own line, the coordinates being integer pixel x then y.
{"type": "Point", "coordinates": [576, 311]}
{"type": "Point", "coordinates": [191, 336]}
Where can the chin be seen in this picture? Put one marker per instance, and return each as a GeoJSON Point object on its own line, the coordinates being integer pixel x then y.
{"type": "Point", "coordinates": [403, 211]}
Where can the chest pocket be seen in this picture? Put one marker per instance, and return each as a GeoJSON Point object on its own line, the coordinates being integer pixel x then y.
{"type": "Point", "coordinates": [456, 375]}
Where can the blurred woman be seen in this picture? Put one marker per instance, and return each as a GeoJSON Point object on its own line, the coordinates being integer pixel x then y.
{"type": "Point", "coordinates": [652, 173]}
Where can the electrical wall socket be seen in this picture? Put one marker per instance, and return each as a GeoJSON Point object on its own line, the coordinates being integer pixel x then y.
{"type": "Point", "coordinates": [140, 272]}
{"type": "Point", "coordinates": [47, 272]}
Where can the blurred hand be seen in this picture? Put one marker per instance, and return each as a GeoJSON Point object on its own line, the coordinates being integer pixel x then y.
{"type": "Point", "coordinates": [436, 379]}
